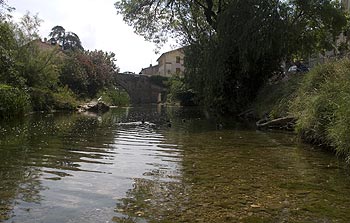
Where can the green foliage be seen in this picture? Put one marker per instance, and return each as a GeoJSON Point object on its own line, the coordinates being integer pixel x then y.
{"type": "Point", "coordinates": [312, 26]}
{"type": "Point", "coordinates": [4, 10]}
{"type": "Point", "coordinates": [40, 68]}
{"type": "Point", "coordinates": [236, 46]}
{"type": "Point", "coordinates": [28, 63]}
{"type": "Point", "coordinates": [86, 73]}
{"type": "Point", "coordinates": [67, 40]}
{"type": "Point", "coordinates": [47, 100]}
{"type": "Point", "coordinates": [179, 92]}
{"type": "Point", "coordinates": [114, 97]}
{"type": "Point", "coordinates": [274, 99]}
{"type": "Point", "coordinates": [28, 28]}
{"type": "Point", "coordinates": [64, 99]}
{"type": "Point", "coordinates": [13, 102]}
{"type": "Point", "coordinates": [227, 70]}
{"type": "Point", "coordinates": [41, 100]}
{"type": "Point", "coordinates": [322, 106]}
{"type": "Point", "coordinates": [8, 66]}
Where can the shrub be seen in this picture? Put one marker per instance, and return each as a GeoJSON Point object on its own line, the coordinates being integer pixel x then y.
{"type": "Point", "coordinates": [13, 102]}
{"type": "Point", "coordinates": [41, 100]}
{"type": "Point", "coordinates": [322, 106]}
{"type": "Point", "coordinates": [65, 99]}
{"type": "Point", "coordinates": [179, 92]}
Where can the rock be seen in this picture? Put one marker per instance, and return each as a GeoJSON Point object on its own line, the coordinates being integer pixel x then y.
{"type": "Point", "coordinates": [94, 107]}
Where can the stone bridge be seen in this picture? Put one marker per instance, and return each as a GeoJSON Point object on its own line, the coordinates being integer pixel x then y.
{"type": "Point", "coordinates": [140, 89]}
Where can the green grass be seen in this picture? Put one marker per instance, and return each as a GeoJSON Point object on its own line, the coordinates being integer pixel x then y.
{"type": "Point", "coordinates": [319, 100]}
{"type": "Point", "coordinates": [322, 106]}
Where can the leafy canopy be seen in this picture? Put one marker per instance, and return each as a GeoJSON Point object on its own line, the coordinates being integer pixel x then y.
{"type": "Point", "coordinates": [234, 46]}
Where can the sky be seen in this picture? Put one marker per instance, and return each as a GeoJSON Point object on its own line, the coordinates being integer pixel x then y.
{"type": "Point", "coordinates": [98, 26]}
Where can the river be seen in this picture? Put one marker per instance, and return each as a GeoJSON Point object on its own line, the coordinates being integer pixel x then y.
{"type": "Point", "coordinates": [180, 165]}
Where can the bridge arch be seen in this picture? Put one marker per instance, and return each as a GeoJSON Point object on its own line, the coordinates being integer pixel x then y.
{"type": "Point", "coordinates": [140, 89]}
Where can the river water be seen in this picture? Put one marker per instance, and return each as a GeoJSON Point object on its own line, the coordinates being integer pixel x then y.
{"type": "Point", "coordinates": [178, 166]}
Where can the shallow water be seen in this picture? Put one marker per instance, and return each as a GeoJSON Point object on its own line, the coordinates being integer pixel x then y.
{"type": "Point", "coordinates": [114, 168]}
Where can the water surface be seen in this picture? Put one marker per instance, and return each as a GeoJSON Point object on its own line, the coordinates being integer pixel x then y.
{"type": "Point", "coordinates": [178, 166]}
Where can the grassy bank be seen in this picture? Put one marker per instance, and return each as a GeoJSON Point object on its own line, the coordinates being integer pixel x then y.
{"type": "Point", "coordinates": [319, 100]}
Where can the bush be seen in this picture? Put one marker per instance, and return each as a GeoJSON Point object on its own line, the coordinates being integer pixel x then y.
{"type": "Point", "coordinates": [179, 92]}
{"type": "Point", "coordinates": [41, 100]}
{"type": "Point", "coordinates": [65, 99]}
{"type": "Point", "coordinates": [322, 106]}
{"type": "Point", "coordinates": [115, 97]}
{"type": "Point", "coordinates": [13, 102]}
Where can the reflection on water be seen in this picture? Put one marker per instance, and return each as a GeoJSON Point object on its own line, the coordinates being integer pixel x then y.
{"type": "Point", "coordinates": [176, 166]}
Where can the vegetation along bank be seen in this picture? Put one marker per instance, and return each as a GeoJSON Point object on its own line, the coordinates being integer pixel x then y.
{"type": "Point", "coordinates": [53, 73]}
{"type": "Point", "coordinates": [318, 100]}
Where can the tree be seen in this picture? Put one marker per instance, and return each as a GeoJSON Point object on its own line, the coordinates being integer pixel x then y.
{"type": "Point", "coordinates": [234, 46]}
{"type": "Point", "coordinates": [72, 42]}
{"type": "Point", "coordinates": [8, 65]}
{"type": "Point", "coordinates": [4, 10]}
{"type": "Point", "coordinates": [29, 26]}
{"type": "Point", "coordinates": [58, 34]}
{"type": "Point", "coordinates": [88, 72]}
{"type": "Point", "coordinates": [67, 40]}
{"type": "Point", "coordinates": [158, 19]}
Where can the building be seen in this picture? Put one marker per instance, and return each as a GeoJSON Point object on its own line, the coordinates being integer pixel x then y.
{"type": "Point", "coordinates": [169, 64]}
{"type": "Point", "coordinates": [150, 71]}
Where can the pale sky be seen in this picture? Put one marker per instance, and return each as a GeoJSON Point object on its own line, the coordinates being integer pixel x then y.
{"type": "Point", "coordinates": [98, 26]}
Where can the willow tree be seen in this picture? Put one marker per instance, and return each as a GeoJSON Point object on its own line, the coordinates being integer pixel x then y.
{"type": "Point", "coordinates": [158, 19]}
{"type": "Point", "coordinates": [234, 46]}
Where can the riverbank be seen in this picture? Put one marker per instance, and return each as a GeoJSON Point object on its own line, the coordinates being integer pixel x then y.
{"type": "Point", "coordinates": [319, 101]}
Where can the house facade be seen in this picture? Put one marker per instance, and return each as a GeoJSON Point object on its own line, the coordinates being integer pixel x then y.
{"type": "Point", "coordinates": [169, 64]}
{"type": "Point", "coordinates": [150, 71]}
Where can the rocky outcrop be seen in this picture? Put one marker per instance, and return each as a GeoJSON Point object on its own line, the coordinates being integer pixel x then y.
{"type": "Point", "coordinates": [94, 107]}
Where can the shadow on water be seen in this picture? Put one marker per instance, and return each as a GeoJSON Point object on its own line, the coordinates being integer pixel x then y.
{"type": "Point", "coordinates": [157, 164]}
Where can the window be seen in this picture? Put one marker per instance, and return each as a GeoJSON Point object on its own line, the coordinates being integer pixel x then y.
{"type": "Point", "coordinates": [178, 59]}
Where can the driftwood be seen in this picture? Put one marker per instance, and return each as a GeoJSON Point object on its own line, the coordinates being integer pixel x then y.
{"type": "Point", "coordinates": [94, 107]}
{"type": "Point", "coordinates": [279, 123]}
{"type": "Point", "coordinates": [248, 114]}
